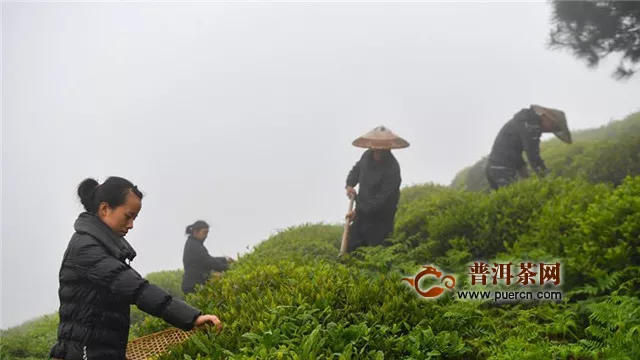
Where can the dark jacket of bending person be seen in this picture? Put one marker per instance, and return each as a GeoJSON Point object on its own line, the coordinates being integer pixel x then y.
{"type": "Point", "coordinates": [522, 134]}
{"type": "Point", "coordinates": [198, 264]}
{"type": "Point", "coordinates": [98, 284]}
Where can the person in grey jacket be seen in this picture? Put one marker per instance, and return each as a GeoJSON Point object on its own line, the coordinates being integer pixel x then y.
{"type": "Point", "coordinates": [522, 134]}
{"type": "Point", "coordinates": [198, 264]}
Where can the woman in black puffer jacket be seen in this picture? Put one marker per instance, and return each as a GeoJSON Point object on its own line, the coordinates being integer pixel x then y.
{"type": "Point", "coordinates": [97, 284]}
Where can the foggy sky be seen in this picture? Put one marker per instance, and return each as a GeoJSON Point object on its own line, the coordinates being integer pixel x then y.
{"type": "Point", "coordinates": [242, 114]}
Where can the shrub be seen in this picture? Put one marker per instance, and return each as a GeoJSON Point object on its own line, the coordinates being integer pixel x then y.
{"type": "Point", "coordinates": [357, 307]}
{"type": "Point", "coordinates": [292, 297]}
{"type": "Point", "coordinates": [31, 340]}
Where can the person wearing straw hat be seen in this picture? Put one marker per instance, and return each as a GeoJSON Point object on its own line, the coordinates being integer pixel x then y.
{"type": "Point", "coordinates": [522, 133]}
{"type": "Point", "coordinates": [377, 174]}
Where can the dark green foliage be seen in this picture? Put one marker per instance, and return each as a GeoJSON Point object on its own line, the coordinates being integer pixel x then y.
{"type": "Point", "coordinates": [592, 30]}
{"type": "Point", "coordinates": [320, 307]}
{"type": "Point", "coordinates": [293, 298]}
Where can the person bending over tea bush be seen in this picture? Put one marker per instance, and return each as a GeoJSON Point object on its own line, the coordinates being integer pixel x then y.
{"type": "Point", "coordinates": [522, 133]}
{"type": "Point", "coordinates": [197, 262]}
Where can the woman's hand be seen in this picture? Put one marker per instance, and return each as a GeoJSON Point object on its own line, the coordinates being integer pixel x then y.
{"type": "Point", "coordinates": [203, 320]}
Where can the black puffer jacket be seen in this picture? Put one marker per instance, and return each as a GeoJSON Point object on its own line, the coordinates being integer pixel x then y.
{"type": "Point", "coordinates": [198, 264]}
{"type": "Point", "coordinates": [96, 290]}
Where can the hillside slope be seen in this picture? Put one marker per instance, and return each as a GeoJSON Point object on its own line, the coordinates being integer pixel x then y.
{"type": "Point", "coordinates": [604, 154]}
{"type": "Point", "coordinates": [292, 298]}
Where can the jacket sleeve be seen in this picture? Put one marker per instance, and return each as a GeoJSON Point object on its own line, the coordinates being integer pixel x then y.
{"type": "Point", "coordinates": [530, 135]}
{"type": "Point", "coordinates": [218, 264]}
{"type": "Point", "coordinates": [102, 269]}
{"type": "Point", "coordinates": [390, 184]}
{"type": "Point", "coordinates": [354, 174]}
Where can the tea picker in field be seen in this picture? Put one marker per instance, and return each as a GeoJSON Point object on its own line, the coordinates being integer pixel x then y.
{"type": "Point", "coordinates": [197, 262]}
{"type": "Point", "coordinates": [522, 133]}
{"type": "Point", "coordinates": [377, 174]}
{"type": "Point", "coordinates": [98, 284]}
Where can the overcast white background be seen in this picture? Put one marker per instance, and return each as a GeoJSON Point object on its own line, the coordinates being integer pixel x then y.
{"type": "Point", "coordinates": [242, 114]}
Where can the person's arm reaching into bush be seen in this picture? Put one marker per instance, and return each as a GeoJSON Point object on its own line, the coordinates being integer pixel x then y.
{"type": "Point", "coordinates": [530, 135]}
{"type": "Point", "coordinates": [125, 283]}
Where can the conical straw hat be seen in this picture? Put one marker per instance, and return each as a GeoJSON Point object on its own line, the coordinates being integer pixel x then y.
{"type": "Point", "coordinates": [558, 117]}
{"type": "Point", "coordinates": [380, 138]}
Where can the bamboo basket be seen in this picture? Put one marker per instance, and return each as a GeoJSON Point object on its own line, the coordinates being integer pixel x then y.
{"type": "Point", "coordinates": [150, 346]}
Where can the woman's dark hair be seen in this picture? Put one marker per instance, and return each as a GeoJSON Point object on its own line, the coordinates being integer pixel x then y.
{"type": "Point", "coordinates": [198, 225]}
{"type": "Point", "coordinates": [113, 191]}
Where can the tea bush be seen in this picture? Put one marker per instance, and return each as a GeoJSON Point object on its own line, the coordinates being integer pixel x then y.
{"type": "Point", "coordinates": [292, 297]}
{"type": "Point", "coordinates": [357, 307]}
